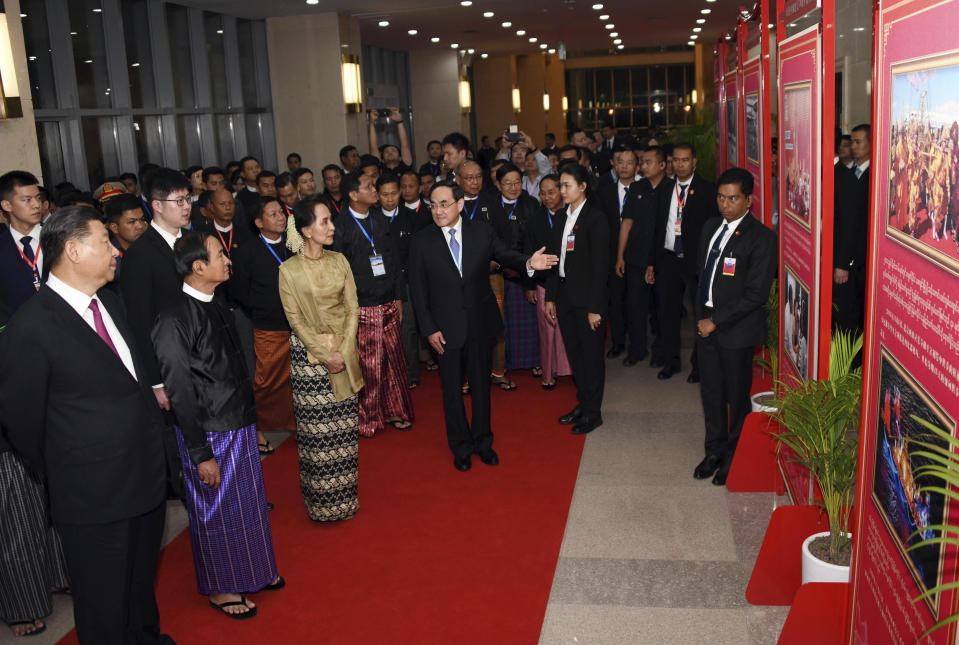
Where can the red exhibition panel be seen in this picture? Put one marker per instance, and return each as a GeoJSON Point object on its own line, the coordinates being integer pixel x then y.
{"type": "Point", "coordinates": [731, 119]}
{"type": "Point", "coordinates": [754, 106]}
{"type": "Point", "coordinates": [719, 107]}
{"type": "Point", "coordinates": [912, 356]}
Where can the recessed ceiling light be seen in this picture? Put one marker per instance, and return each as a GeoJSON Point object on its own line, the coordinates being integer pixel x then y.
{"type": "Point", "coordinates": [434, 39]}
{"type": "Point", "coordinates": [73, 33]}
{"type": "Point", "coordinates": [533, 39]}
{"type": "Point", "coordinates": [134, 64]}
{"type": "Point", "coordinates": [520, 32]}
{"type": "Point", "coordinates": [219, 31]}
{"type": "Point", "coordinates": [597, 7]}
{"type": "Point", "coordinates": [466, 3]}
{"type": "Point", "coordinates": [696, 30]}
{"type": "Point", "coordinates": [611, 26]}
{"type": "Point", "coordinates": [613, 34]}
{"type": "Point", "coordinates": [618, 41]}
{"type": "Point", "coordinates": [88, 61]}
{"type": "Point", "coordinates": [312, 1]}
{"type": "Point", "coordinates": [454, 46]}
{"type": "Point", "coordinates": [620, 46]}
{"type": "Point", "coordinates": [507, 24]}
{"type": "Point", "coordinates": [470, 51]}
{"type": "Point", "coordinates": [412, 32]}
{"type": "Point", "coordinates": [543, 46]}
{"type": "Point", "coordinates": [694, 37]}
{"type": "Point", "coordinates": [552, 51]}
{"type": "Point", "coordinates": [605, 16]}
{"type": "Point", "coordinates": [488, 14]}
{"type": "Point", "coordinates": [384, 23]}
{"type": "Point", "coordinates": [690, 43]}
{"type": "Point", "coordinates": [705, 12]}
{"type": "Point", "coordinates": [98, 10]}
{"type": "Point", "coordinates": [700, 21]}
{"type": "Point", "coordinates": [484, 55]}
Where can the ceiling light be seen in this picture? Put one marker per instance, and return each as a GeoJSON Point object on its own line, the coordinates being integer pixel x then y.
{"type": "Point", "coordinates": [23, 15]}
{"type": "Point", "coordinates": [705, 12]}
{"type": "Point", "coordinates": [533, 39]}
{"type": "Point", "coordinates": [466, 3]}
{"type": "Point", "coordinates": [507, 24]}
{"type": "Point", "coordinates": [412, 32]}
{"type": "Point", "coordinates": [611, 26]}
{"type": "Point", "coordinates": [694, 37]}
{"type": "Point", "coordinates": [520, 32]}
{"type": "Point", "coordinates": [552, 51]}
{"type": "Point", "coordinates": [73, 33]}
{"type": "Point", "coordinates": [543, 46]}
{"type": "Point", "coordinates": [434, 39]}
{"type": "Point", "coordinates": [597, 7]}
{"type": "Point", "coordinates": [88, 61]}
{"type": "Point", "coordinates": [384, 23]}
{"type": "Point", "coordinates": [700, 21]}
{"type": "Point", "coordinates": [620, 46]}
{"type": "Point", "coordinates": [470, 51]}
{"type": "Point", "coordinates": [32, 58]}
{"type": "Point", "coordinates": [696, 30]}
{"type": "Point", "coordinates": [613, 34]}
{"type": "Point", "coordinates": [98, 10]}
{"type": "Point", "coordinates": [219, 31]}
{"type": "Point", "coordinates": [484, 55]}
{"type": "Point", "coordinates": [454, 45]}
{"type": "Point", "coordinates": [605, 16]}
{"type": "Point", "coordinates": [312, 1]}
{"type": "Point", "coordinates": [618, 41]}
{"type": "Point", "coordinates": [488, 14]}
{"type": "Point", "coordinates": [859, 29]}
{"type": "Point", "coordinates": [690, 43]}
{"type": "Point", "coordinates": [135, 65]}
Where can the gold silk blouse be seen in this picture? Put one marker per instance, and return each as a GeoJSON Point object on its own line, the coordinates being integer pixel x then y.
{"type": "Point", "coordinates": [319, 298]}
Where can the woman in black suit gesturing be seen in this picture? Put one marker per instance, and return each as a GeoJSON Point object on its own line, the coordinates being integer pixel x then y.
{"type": "Point", "coordinates": [576, 294]}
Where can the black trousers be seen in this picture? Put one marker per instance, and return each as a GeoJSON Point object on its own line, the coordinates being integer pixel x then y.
{"type": "Point", "coordinates": [726, 376]}
{"type": "Point", "coordinates": [112, 568]}
{"type": "Point", "coordinates": [472, 360]}
{"type": "Point", "coordinates": [637, 309]}
{"type": "Point", "coordinates": [672, 283]}
{"type": "Point", "coordinates": [617, 309]}
{"type": "Point", "coordinates": [849, 302]}
{"type": "Point", "coordinates": [584, 350]}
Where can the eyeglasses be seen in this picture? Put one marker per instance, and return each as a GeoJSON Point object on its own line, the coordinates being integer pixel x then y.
{"type": "Point", "coordinates": [179, 201]}
{"type": "Point", "coordinates": [441, 205]}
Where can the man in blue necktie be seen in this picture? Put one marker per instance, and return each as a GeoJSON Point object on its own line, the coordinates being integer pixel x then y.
{"type": "Point", "coordinates": [738, 261]}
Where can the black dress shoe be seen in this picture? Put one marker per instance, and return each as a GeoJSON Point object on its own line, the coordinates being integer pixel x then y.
{"type": "Point", "coordinates": [720, 478]}
{"type": "Point", "coordinates": [269, 506]}
{"type": "Point", "coordinates": [656, 362]}
{"type": "Point", "coordinates": [490, 458]}
{"type": "Point", "coordinates": [587, 424]}
{"type": "Point", "coordinates": [615, 351]}
{"type": "Point", "coordinates": [707, 467]}
{"type": "Point", "coordinates": [666, 372]}
{"type": "Point", "coordinates": [693, 377]}
{"type": "Point", "coordinates": [572, 417]}
{"type": "Point", "coordinates": [633, 359]}
{"type": "Point", "coordinates": [463, 464]}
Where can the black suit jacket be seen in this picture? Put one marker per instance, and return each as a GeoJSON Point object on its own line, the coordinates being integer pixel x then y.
{"type": "Point", "coordinates": [850, 218]}
{"type": "Point", "coordinates": [16, 278]}
{"type": "Point", "coordinates": [700, 207]}
{"type": "Point", "coordinates": [610, 204]}
{"type": "Point", "coordinates": [73, 411]}
{"type": "Point", "coordinates": [587, 265]}
{"type": "Point", "coordinates": [738, 299]}
{"type": "Point", "coordinates": [149, 284]}
{"type": "Point", "coordinates": [642, 206]}
{"type": "Point", "coordinates": [462, 307]}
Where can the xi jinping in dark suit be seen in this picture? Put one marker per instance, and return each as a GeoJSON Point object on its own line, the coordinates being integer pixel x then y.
{"type": "Point", "coordinates": [77, 405]}
{"type": "Point", "coordinates": [457, 312]}
{"type": "Point", "coordinates": [738, 257]}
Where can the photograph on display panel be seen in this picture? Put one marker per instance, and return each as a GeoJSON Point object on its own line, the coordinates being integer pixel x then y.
{"type": "Point", "coordinates": [796, 323]}
{"type": "Point", "coordinates": [795, 158]}
{"type": "Point", "coordinates": [732, 133]}
{"type": "Point", "coordinates": [752, 127]}
{"type": "Point", "coordinates": [904, 510]}
{"type": "Point", "coordinates": [923, 211]}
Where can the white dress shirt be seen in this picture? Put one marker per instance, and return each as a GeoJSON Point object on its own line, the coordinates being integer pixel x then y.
{"type": "Point", "coordinates": [571, 217]}
{"type": "Point", "coordinates": [80, 302]}
{"type": "Point", "coordinates": [730, 229]}
{"type": "Point", "coordinates": [414, 206]}
{"type": "Point", "coordinates": [670, 241]}
{"type": "Point", "coordinates": [223, 229]}
{"type": "Point", "coordinates": [195, 293]}
{"type": "Point", "coordinates": [458, 227]}
{"type": "Point", "coordinates": [860, 168]}
{"type": "Point", "coordinates": [34, 235]}
{"type": "Point", "coordinates": [391, 214]}
{"type": "Point", "coordinates": [621, 190]}
{"type": "Point", "coordinates": [167, 237]}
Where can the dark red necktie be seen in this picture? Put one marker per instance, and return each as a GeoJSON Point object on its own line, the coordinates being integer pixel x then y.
{"type": "Point", "coordinates": [101, 328]}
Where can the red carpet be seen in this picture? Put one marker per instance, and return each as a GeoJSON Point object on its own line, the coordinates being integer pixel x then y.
{"type": "Point", "coordinates": [433, 556]}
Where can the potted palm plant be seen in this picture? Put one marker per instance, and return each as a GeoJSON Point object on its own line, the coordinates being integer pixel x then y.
{"type": "Point", "coordinates": [819, 421]}
{"type": "Point", "coordinates": [761, 400]}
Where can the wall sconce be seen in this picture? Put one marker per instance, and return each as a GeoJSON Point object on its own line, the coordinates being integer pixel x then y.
{"type": "Point", "coordinates": [565, 104]}
{"type": "Point", "coordinates": [464, 95]}
{"type": "Point", "coordinates": [352, 84]}
{"type": "Point", "coordinates": [546, 101]}
{"type": "Point", "coordinates": [695, 95]}
{"type": "Point", "coordinates": [516, 103]}
{"type": "Point", "coordinates": [10, 107]}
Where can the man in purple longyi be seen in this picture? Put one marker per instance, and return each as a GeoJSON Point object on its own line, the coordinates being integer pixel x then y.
{"type": "Point", "coordinates": [201, 360]}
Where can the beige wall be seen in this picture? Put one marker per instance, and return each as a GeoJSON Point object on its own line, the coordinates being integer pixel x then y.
{"type": "Point", "coordinates": [307, 86]}
{"type": "Point", "coordinates": [434, 89]}
{"type": "Point", "coordinates": [492, 87]}
{"type": "Point", "coordinates": [18, 137]}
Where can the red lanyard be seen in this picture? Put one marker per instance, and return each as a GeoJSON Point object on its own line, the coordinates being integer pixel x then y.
{"type": "Point", "coordinates": [36, 258]}
{"type": "Point", "coordinates": [338, 208]}
{"type": "Point", "coordinates": [681, 202]}
{"type": "Point", "coordinates": [223, 242]}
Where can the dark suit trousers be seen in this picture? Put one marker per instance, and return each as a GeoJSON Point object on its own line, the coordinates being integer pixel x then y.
{"type": "Point", "coordinates": [849, 302]}
{"type": "Point", "coordinates": [112, 569]}
{"type": "Point", "coordinates": [584, 349]}
{"type": "Point", "coordinates": [617, 312]}
{"type": "Point", "coordinates": [726, 378]}
{"type": "Point", "coordinates": [637, 309]}
{"type": "Point", "coordinates": [672, 282]}
{"type": "Point", "coordinates": [472, 360]}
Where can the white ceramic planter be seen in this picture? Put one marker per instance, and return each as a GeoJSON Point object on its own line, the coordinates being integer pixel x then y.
{"type": "Point", "coordinates": [759, 407]}
{"type": "Point", "coordinates": [815, 570]}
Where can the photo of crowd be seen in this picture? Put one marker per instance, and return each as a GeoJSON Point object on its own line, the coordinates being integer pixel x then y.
{"type": "Point", "coordinates": [752, 127]}
{"type": "Point", "coordinates": [796, 323]}
{"type": "Point", "coordinates": [797, 158]}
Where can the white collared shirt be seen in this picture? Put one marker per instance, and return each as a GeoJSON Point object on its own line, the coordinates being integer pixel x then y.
{"type": "Point", "coordinates": [571, 217]}
{"type": "Point", "coordinates": [80, 302]}
{"type": "Point", "coordinates": [670, 241]}
{"type": "Point", "coordinates": [34, 235]}
{"type": "Point", "coordinates": [860, 168]}
{"type": "Point", "coordinates": [167, 237]}
{"type": "Point", "coordinates": [414, 206]}
{"type": "Point", "coordinates": [621, 190]}
{"type": "Point", "coordinates": [458, 227]}
{"type": "Point", "coordinates": [195, 293]}
{"type": "Point", "coordinates": [223, 229]}
{"type": "Point", "coordinates": [730, 229]}
{"type": "Point", "coordinates": [359, 215]}
{"type": "Point", "coordinates": [391, 214]}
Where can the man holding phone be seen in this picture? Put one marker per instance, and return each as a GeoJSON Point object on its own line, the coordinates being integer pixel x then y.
{"type": "Point", "coordinates": [519, 138]}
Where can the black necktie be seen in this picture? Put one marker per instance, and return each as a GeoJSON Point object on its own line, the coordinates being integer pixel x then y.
{"type": "Point", "coordinates": [31, 259]}
{"type": "Point", "coordinates": [678, 239]}
{"type": "Point", "coordinates": [710, 268]}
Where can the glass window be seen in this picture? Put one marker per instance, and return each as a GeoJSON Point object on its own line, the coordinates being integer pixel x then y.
{"type": "Point", "coordinates": [225, 148]}
{"type": "Point", "coordinates": [640, 85]}
{"type": "Point", "coordinates": [244, 36]}
{"type": "Point", "coordinates": [213, 36]}
{"type": "Point", "coordinates": [604, 88]}
{"type": "Point", "coordinates": [36, 37]}
{"type": "Point", "coordinates": [621, 86]}
{"type": "Point", "coordinates": [674, 82]}
{"type": "Point", "coordinates": [620, 118]}
{"type": "Point", "coordinates": [181, 59]}
{"type": "Point", "coordinates": [51, 152]}
{"type": "Point", "coordinates": [254, 135]}
{"type": "Point", "coordinates": [136, 31]}
{"type": "Point", "coordinates": [99, 144]}
{"type": "Point", "coordinates": [188, 136]}
{"type": "Point", "coordinates": [657, 79]}
{"type": "Point", "coordinates": [89, 54]}
{"type": "Point", "coordinates": [148, 132]}
{"type": "Point", "coordinates": [641, 117]}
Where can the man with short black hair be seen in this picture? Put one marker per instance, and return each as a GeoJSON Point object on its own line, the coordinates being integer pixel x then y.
{"type": "Point", "coordinates": [293, 161]}
{"type": "Point", "coordinates": [332, 178]}
{"type": "Point", "coordinates": [286, 192]}
{"type": "Point", "coordinates": [455, 149]}
{"type": "Point", "coordinates": [130, 181]}
{"type": "Point", "coordinates": [434, 150]}
{"type": "Point", "coordinates": [737, 260]}
{"type": "Point", "coordinates": [21, 259]}
{"type": "Point", "coordinates": [851, 217]}
{"type": "Point", "coordinates": [266, 184]}
{"type": "Point", "coordinates": [350, 158]}
{"type": "Point", "coordinates": [126, 222]}
{"type": "Point", "coordinates": [249, 170]}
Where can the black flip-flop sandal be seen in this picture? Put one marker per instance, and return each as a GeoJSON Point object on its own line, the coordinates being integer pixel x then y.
{"type": "Point", "coordinates": [506, 385]}
{"type": "Point", "coordinates": [400, 424]}
{"type": "Point", "coordinates": [548, 386]}
{"type": "Point", "coordinates": [33, 623]}
{"type": "Point", "coordinates": [275, 586]}
{"type": "Point", "coordinates": [250, 613]}
{"type": "Point", "coordinates": [266, 448]}
{"type": "Point", "coordinates": [431, 366]}
{"type": "Point", "coordinates": [537, 372]}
